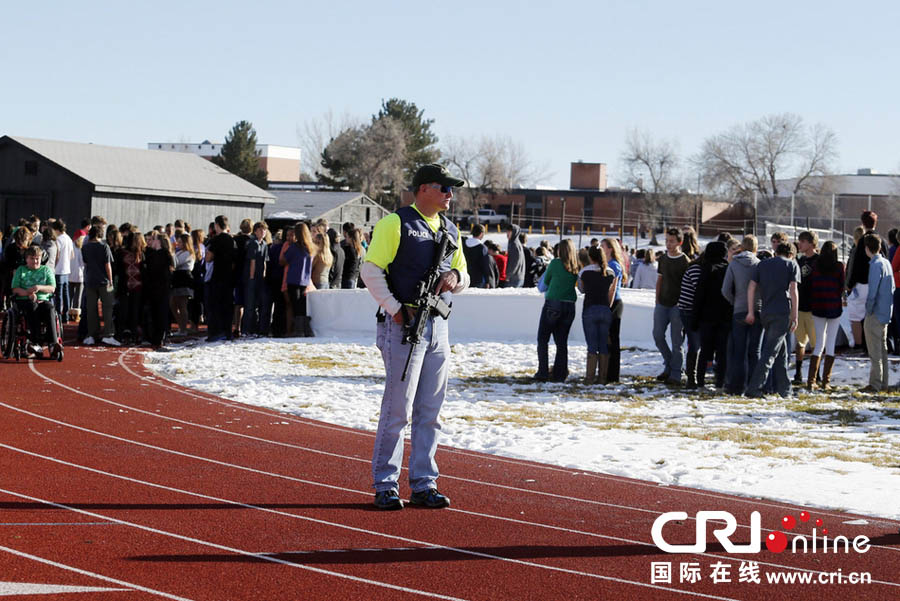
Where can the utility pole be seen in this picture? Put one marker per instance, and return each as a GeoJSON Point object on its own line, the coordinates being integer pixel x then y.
{"type": "Point", "coordinates": [755, 212]}
{"type": "Point", "coordinates": [793, 229]}
{"type": "Point", "coordinates": [832, 214]}
{"type": "Point", "coordinates": [562, 221]}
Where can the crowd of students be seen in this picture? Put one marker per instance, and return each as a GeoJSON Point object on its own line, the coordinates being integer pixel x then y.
{"type": "Point", "coordinates": [123, 285]}
{"type": "Point", "coordinates": [734, 306]}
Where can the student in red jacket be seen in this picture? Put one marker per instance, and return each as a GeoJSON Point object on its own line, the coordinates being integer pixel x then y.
{"type": "Point", "coordinates": [500, 259]}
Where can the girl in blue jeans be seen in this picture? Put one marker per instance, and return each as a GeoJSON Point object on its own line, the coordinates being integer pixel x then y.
{"type": "Point", "coordinates": [558, 313]}
{"type": "Point", "coordinates": [598, 283]}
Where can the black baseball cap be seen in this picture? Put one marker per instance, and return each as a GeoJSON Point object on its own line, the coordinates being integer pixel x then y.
{"type": "Point", "coordinates": [435, 174]}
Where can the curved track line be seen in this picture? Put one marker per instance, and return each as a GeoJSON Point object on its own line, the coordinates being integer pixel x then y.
{"type": "Point", "coordinates": [331, 524]}
{"type": "Point", "coordinates": [199, 394]}
{"type": "Point", "coordinates": [308, 449]}
{"type": "Point", "coordinates": [233, 550]}
{"type": "Point", "coordinates": [344, 526]}
{"type": "Point", "coordinates": [285, 477]}
{"type": "Point", "coordinates": [63, 566]}
{"type": "Point", "coordinates": [177, 388]}
{"type": "Point", "coordinates": [337, 455]}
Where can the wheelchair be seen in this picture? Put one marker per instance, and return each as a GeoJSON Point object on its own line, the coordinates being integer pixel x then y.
{"type": "Point", "coordinates": [16, 339]}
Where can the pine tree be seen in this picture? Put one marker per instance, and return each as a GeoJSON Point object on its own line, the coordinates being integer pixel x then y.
{"type": "Point", "coordinates": [239, 156]}
{"type": "Point", "coordinates": [421, 142]}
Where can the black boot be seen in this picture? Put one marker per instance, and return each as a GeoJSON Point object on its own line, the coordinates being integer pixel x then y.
{"type": "Point", "coordinates": [307, 328]}
{"type": "Point", "coordinates": [798, 374]}
{"type": "Point", "coordinates": [690, 368]}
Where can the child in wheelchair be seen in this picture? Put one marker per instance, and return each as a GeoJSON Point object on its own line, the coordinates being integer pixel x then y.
{"type": "Point", "coordinates": [32, 287]}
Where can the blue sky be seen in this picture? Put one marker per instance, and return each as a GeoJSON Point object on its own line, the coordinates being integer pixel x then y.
{"type": "Point", "coordinates": [566, 79]}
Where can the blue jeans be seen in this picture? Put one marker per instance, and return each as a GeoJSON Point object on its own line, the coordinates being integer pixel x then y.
{"type": "Point", "coordinates": [423, 392]}
{"type": "Point", "coordinates": [556, 320]}
{"type": "Point", "coordinates": [596, 320]}
{"type": "Point", "coordinates": [669, 317]}
{"type": "Point", "coordinates": [692, 337]}
{"type": "Point", "coordinates": [745, 343]}
{"type": "Point", "coordinates": [257, 307]}
{"type": "Point", "coordinates": [894, 329]}
{"type": "Point", "coordinates": [773, 356]}
{"type": "Point", "coordinates": [61, 300]}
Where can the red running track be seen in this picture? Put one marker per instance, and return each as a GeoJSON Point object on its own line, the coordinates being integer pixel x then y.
{"type": "Point", "coordinates": [115, 479]}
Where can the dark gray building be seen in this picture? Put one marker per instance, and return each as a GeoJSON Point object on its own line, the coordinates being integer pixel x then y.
{"type": "Point", "coordinates": [145, 187]}
{"type": "Point", "coordinates": [337, 207]}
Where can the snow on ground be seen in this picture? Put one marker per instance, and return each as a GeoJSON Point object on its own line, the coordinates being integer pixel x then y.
{"type": "Point", "coordinates": [837, 451]}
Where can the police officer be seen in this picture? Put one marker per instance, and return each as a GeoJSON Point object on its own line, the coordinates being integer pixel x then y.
{"type": "Point", "coordinates": [402, 250]}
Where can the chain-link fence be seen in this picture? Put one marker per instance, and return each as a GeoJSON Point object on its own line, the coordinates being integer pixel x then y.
{"type": "Point", "coordinates": [635, 216]}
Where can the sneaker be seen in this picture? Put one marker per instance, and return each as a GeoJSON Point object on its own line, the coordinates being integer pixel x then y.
{"type": "Point", "coordinates": [663, 376]}
{"type": "Point", "coordinates": [868, 389]}
{"type": "Point", "coordinates": [89, 341]}
{"type": "Point", "coordinates": [110, 341]}
{"type": "Point", "coordinates": [388, 500]}
{"type": "Point", "coordinates": [430, 498]}
{"type": "Point", "coordinates": [36, 350]}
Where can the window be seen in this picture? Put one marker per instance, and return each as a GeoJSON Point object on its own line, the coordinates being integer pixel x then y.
{"type": "Point", "coordinates": [31, 167]}
{"type": "Point", "coordinates": [368, 214]}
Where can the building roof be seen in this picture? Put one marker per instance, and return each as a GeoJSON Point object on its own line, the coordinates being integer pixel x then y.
{"type": "Point", "coordinates": [146, 172]}
{"type": "Point", "coordinates": [312, 204]}
{"type": "Point", "coordinates": [863, 184]}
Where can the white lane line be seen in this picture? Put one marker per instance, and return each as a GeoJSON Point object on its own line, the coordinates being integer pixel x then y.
{"type": "Point", "coordinates": [383, 534]}
{"type": "Point", "coordinates": [513, 461]}
{"type": "Point", "coordinates": [418, 543]}
{"type": "Point", "coordinates": [56, 524]}
{"type": "Point", "coordinates": [286, 477]}
{"type": "Point", "coordinates": [233, 550]}
{"type": "Point", "coordinates": [115, 581]}
{"type": "Point", "coordinates": [359, 460]}
{"type": "Point", "coordinates": [14, 589]}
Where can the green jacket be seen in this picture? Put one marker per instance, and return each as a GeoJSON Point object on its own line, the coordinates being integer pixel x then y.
{"type": "Point", "coordinates": [560, 283]}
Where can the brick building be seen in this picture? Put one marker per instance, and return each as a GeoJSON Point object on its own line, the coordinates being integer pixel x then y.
{"type": "Point", "coordinates": [589, 203]}
{"type": "Point", "coordinates": [281, 163]}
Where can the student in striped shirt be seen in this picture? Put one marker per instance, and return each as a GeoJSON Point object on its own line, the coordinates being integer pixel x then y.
{"type": "Point", "coordinates": [828, 299]}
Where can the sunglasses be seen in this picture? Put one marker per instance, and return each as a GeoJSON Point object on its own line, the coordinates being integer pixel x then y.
{"type": "Point", "coordinates": [444, 189]}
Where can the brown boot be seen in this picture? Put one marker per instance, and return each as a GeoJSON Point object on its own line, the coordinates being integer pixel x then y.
{"type": "Point", "coordinates": [590, 370]}
{"type": "Point", "coordinates": [813, 371]}
{"type": "Point", "coordinates": [602, 368]}
{"type": "Point", "coordinates": [826, 372]}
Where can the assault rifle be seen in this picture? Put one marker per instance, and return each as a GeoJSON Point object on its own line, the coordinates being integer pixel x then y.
{"type": "Point", "coordinates": [428, 300]}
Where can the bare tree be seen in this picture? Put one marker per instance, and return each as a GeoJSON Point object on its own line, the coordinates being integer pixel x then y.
{"type": "Point", "coordinates": [756, 157]}
{"type": "Point", "coordinates": [651, 166]}
{"type": "Point", "coordinates": [490, 166]}
{"type": "Point", "coordinates": [369, 158]}
{"type": "Point", "coordinates": [314, 136]}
